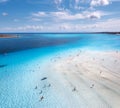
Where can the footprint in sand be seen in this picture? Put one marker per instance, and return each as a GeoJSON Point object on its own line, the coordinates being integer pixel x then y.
{"type": "Point", "coordinates": [74, 89]}
{"type": "Point", "coordinates": [92, 86]}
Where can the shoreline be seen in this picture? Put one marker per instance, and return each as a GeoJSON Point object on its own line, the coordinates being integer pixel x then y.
{"type": "Point", "coordinates": [92, 76]}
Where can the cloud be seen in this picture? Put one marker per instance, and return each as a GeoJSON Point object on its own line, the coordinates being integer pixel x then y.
{"type": "Point", "coordinates": [106, 25]}
{"type": "Point", "coordinates": [77, 1]}
{"type": "Point", "coordinates": [39, 14]}
{"type": "Point", "coordinates": [63, 27]}
{"type": "Point", "coordinates": [83, 15]}
{"type": "Point", "coordinates": [30, 27]}
{"type": "Point", "coordinates": [99, 2]}
{"type": "Point", "coordinates": [16, 20]}
{"type": "Point", "coordinates": [4, 14]}
{"type": "Point", "coordinates": [24, 28]}
{"type": "Point", "coordinates": [95, 15]}
{"type": "Point", "coordinates": [115, 0]}
{"type": "Point", "coordinates": [35, 19]}
{"type": "Point", "coordinates": [77, 5]}
{"type": "Point", "coordinates": [58, 2]}
{"type": "Point", "coordinates": [69, 4]}
{"type": "Point", "coordinates": [2, 1]}
{"type": "Point", "coordinates": [109, 25]}
{"type": "Point", "coordinates": [66, 15]}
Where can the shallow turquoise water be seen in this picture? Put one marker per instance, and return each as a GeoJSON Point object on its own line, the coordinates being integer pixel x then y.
{"type": "Point", "coordinates": [23, 67]}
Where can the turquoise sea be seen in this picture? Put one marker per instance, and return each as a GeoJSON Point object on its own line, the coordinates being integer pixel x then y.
{"type": "Point", "coordinates": [23, 65]}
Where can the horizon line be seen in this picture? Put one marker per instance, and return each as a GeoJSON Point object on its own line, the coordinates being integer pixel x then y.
{"type": "Point", "coordinates": [113, 32]}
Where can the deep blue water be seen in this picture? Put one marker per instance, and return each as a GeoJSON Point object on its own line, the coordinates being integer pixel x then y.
{"type": "Point", "coordinates": [19, 68]}
{"type": "Point", "coordinates": [28, 41]}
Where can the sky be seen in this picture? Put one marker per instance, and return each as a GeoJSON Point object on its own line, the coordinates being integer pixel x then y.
{"type": "Point", "coordinates": [59, 15]}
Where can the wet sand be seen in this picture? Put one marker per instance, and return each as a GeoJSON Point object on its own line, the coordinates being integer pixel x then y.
{"type": "Point", "coordinates": [87, 79]}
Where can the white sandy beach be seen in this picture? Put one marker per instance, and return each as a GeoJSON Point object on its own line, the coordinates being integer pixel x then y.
{"type": "Point", "coordinates": [86, 79]}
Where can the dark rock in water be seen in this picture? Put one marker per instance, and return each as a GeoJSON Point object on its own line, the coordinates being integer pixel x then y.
{"type": "Point", "coordinates": [41, 98]}
{"type": "Point", "coordinates": [36, 87]}
{"type": "Point", "coordinates": [49, 85]}
{"type": "Point", "coordinates": [1, 66]}
{"type": "Point", "coordinates": [44, 78]}
{"type": "Point", "coordinates": [24, 43]}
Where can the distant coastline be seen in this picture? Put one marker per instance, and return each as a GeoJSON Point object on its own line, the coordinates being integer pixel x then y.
{"type": "Point", "coordinates": [8, 36]}
{"type": "Point", "coordinates": [110, 33]}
